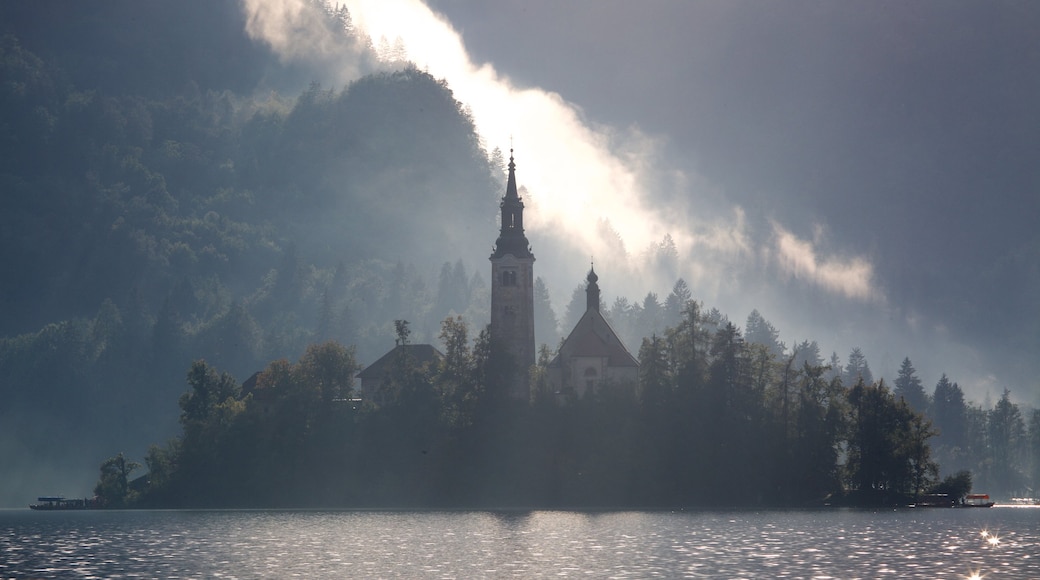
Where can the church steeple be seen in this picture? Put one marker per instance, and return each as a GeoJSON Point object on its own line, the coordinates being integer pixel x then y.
{"type": "Point", "coordinates": [592, 291]}
{"type": "Point", "coordinates": [512, 289]}
{"type": "Point", "coordinates": [511, 238]}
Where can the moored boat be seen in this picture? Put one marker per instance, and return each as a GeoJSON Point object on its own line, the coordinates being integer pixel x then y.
{"type": "Point", "coordinates": [934, 500]}
{"type": "Point", "coordinates": [977, 500]}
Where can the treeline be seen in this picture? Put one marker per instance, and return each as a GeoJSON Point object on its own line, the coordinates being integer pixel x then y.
{"type": "Point", "coordinates": [714, 420]}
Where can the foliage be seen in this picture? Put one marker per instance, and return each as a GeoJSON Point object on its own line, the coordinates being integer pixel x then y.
{"type": "Point", "coordinates": [955, 486]}
{"type": "Point", "coordinates": [113, 487]}
{"type": "Point", "coordinates": [909, 387]}
{"type": "Point", "coordinates": [702, 427]}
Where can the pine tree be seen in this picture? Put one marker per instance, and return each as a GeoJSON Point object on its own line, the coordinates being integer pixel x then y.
{"type": "Point", "coordinates": [857, 368]}
{"type": "Point", "coordinates": [908, 386]}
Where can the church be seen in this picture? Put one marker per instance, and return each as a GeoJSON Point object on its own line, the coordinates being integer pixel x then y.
{"type": "Point", "coordinates": [592, 354]}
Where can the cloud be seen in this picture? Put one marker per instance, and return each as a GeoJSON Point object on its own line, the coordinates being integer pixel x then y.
{"type": "Point", "coordinates": [300, 31]}
{"type": "Point", "coordinates": [798, 258]}
{"type": "Point", "coordinates": [577, 175]}
{"type": "Point", "coordinates": [613, 194]}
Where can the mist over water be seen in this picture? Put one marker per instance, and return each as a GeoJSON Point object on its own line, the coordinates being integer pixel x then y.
{"type": "Point", "coordinates": [839, 543]}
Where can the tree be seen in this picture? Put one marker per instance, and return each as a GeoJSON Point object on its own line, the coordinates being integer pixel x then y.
{"type": "Point", "coordinates": [732, 417]}
{"type": "Point", "coordinates": [546, 325]}
{"type": "Point", "coordinates": [1006, 439]}
{"type": "Point", "coordinates": [676, 302]}
{"type": "Point", "coordinates": [162, 467]}
{"type": "Point", "coordinates": [113, 487]}
{"type": "Point", "coordinates": [949, 413]}
{"type": "Point", "coordinates": [1033, 462]}
{"type": "Point", "coordinates": [402, 331]}
{"type": "Point", "coordinates": [834, 367]}
{"type": "Point", "coordinates": [665, 255]}
{"type": "Point", "coordinates": [888, 451]}
{"type": "Point", "coordinates": [575, 308]}
{"type": "Point", "coordinates": [917, 430]}
{"type": "Point", "coordinates": [654, 380]}
{"type": "Point", "coordinates": [622, 319]}
{"type": "Point", "coordinates": [208, 390]}
{"type": "Point", "coordinates": [955, 486]}
{"type": "Point", "coordinates": [820, 422]}
{"type": "Point", "coordinates": [330, 367]}
{"type": "Point", "coordinates": [648, 319]}
{"type": "Point", "coordinates": [908, 387]}
{"type": "Point", "coordinates": [807, 352]}
{"type": "Point", "coordinates": [688, 346]}
{"type": "Point", "coordinates": [857, 368]}
{"type": "Point", "coordinates": [457, 367]}
{"type": "Point", "coordinates": [759, 331]}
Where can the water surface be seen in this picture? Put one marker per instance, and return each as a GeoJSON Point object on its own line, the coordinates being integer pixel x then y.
{"type": "Point", "coordinates": [1002, 542]}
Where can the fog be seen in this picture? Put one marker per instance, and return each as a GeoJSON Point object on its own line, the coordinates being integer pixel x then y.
{"type": "Point", "coordinates": [586, 177]}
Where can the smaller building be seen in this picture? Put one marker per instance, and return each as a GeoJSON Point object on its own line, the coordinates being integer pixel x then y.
{"type": "Point", "coordinates": [592, 354]}
{"type": "Point", "coordinates": [377, 374]}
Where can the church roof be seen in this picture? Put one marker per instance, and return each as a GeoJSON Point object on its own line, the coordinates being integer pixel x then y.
{"type": "Point", "coordinates": [594, 337]}
{"type": "Point", "coordinates": [422, 353]}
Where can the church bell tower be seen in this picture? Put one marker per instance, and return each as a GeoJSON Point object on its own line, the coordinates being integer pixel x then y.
{"type": "Point", "coordinates": [512, 289]}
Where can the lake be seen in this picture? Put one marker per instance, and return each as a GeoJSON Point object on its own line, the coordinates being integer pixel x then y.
{"type": "Point", "coordinates": [1001, 542]}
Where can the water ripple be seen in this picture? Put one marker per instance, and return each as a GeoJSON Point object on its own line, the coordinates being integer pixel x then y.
{"type": "Point", "coordinates": [701, 544]}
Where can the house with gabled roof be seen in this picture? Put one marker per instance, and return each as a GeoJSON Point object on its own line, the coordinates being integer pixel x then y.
{"type": "Point", "coordinates": [377, 374]}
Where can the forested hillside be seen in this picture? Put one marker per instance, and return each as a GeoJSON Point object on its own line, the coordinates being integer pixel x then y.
{"type": "Point", "coordinates": [167, 195]}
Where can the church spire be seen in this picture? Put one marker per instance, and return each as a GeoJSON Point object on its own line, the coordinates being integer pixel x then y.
{"type": "Point", "coordinates": [511, 238]}
{"type": "Point", "coordinates": [511, 181]}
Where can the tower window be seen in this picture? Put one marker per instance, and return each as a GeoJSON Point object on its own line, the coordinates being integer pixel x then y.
{"type": "Point", "coordinates": [509, 278]}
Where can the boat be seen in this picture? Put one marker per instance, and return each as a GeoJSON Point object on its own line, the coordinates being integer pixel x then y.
{"type": "Point", "coordinates": [934, 500]}
{"type": "Point", "coordinates": [55, 503]}
{"type": "Point", "coordinates": [977, 500]}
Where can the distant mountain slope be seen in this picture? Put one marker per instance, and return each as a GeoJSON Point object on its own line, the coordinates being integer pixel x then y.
{"type": "Point", "coordinates": [164, 213]}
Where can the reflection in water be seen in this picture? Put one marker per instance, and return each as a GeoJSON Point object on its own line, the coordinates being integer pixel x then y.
{"type": "Point", "coordinates": [772, 544]}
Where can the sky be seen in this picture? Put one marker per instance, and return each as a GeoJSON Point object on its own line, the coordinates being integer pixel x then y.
{"type": "Point", "coordinates": [865, 174]}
